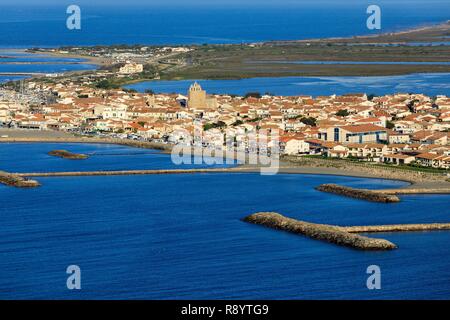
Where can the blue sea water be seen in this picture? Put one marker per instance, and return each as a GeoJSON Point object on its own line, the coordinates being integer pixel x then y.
{"type": "Point", "coordinates": [427, 83]}
{"type": "Point", "coordinates": [101, 157]}
{"type": "Point", "coordinates": [191, 22]}
{"type": "Point", "coordinates": [45, 25]}
{"type": "Point", "coordinates": [44, 68]}
{"type": "Point", "coordinates": [11, 78]}
{"type": "Point", "coordinates": [181, 237]}
{"type": "Point", "coordinates": [13, 56]}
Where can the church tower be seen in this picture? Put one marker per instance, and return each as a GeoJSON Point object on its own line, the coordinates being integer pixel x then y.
{"type": "Point", "coordinates": [196, 96]}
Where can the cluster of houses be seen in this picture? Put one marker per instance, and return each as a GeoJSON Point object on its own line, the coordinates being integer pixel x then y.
{"type": "Point", "coordinates": [399, 129]}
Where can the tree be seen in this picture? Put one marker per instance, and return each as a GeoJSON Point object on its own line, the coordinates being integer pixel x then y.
{"type": "Point", "coordinates": [310, 121]}
{"type": "Point", "coordinates": [342, 113]}
{"type": "Point", "coordinates": [219, 124]}
{"type": "Point", "coordinates": [129, 90]}
{"type": "Point", "coordinates": [371, 96]}
{"type": "Point", "coordinates": [390, 125]}
{"type": "Point", "coordinates": [106, 84]}
{"type": "Point", "coordinates": [252, 95]}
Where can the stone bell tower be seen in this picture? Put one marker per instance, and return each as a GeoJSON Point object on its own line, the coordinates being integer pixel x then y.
{"type": "Point", "coordinates": [196, 96]}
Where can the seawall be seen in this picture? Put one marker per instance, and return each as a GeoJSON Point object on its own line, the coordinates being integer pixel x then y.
{"type": "Point", "coordinates": [398, 228]}
{"type": "Point", "coordinates": [331, 234]}
{"type": "Point", "coordinates": [363, 194]}
{"type": "Point", "coordinates": [133, 172]}
{"type": "Point", "coordinates": [429, 190]}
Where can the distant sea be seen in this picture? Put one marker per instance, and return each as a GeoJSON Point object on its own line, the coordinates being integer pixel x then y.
{"type": "Point", "coordinates": [41, 25]}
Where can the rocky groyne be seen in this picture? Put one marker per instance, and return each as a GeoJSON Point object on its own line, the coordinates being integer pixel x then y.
{"type": "Point", "coordinates": [322, 232]}
{"type": "Point", "coordinates": [398, 228]}
{"type": "Point", "coordinates": [14, 180]}
{"type": "Point", "coordinates": [363, 194]}
{"type": "Point", "coordinates": [135, 172]}
{"type": "Point", "coordinates": [67, 155]}
{"type": "Point", "coordinates": [429, 190]}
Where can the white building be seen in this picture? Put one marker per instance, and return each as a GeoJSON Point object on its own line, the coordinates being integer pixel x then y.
{"type": "Point", "coordinates": [131, 67]}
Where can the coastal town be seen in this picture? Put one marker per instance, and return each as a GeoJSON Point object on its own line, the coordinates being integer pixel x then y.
{"type": "Point", "coordinates": [401, 129]}
{"type": "Point", "coordinates": [208, 154]}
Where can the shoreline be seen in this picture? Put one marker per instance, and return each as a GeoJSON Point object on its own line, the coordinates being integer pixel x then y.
{"type": "Point", "coordinates": [421, 28]}
{"type": "Point", "coordinates": [402, 31]}
{"type": "Point", "coordinates": [422, 183]}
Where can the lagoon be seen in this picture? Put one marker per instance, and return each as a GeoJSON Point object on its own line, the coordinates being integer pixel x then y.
{"type": "Point", "coordinates": [431, 84]}
{"type": "Point", "coordinates": [18, 61]}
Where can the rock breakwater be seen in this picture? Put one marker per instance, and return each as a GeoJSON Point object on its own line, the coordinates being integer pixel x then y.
{"type": "Point", "coordinates": [14, 180]}
{"type": "Point", "coordinates": [363, 194]}
{"type": "Point", "coordinates": [328, 233]}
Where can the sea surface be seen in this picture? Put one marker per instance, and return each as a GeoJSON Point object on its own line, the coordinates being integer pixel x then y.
{"type": "Point", "coordinates": [181, 236]}
{"type": "Point", "coordinates": [44, 25]}
{"type": "Point", "coordinates": [431, 84]}
{"type": "Point", "coordinates": [101, 157]}
{"type": "Point", "coordinates": [208, 22]}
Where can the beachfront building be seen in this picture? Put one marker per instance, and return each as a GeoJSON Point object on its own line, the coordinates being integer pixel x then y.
{"type": "Point", "coordinates": [368, 151]}
{"type": "Point", "coordinates": [397, 159]}
{"type": "Point", "coordinates": [293, 146]}
{"type": "Point", "coordinates": [434, 160]}
{"type": "Point", "coordinates": [367, 133]}
{"type": "Point", "coordinates": [5, 115]}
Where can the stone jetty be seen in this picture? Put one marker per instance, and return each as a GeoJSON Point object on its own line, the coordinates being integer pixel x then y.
{"type": "Point", "coordinates": [398, 228]}
{"type": "Point", "coordinates": [68, 155]}
{"type": "Point", "coordinates": [328, 233]}
{"type": "Point", "coordinates": [364, 194]}
{"type": "Point", "coordinates": [14, 180]}
{"type": "Point", "coordinates": [136, 172]}
{"type": "Point", "coordinates": [442, 190]}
